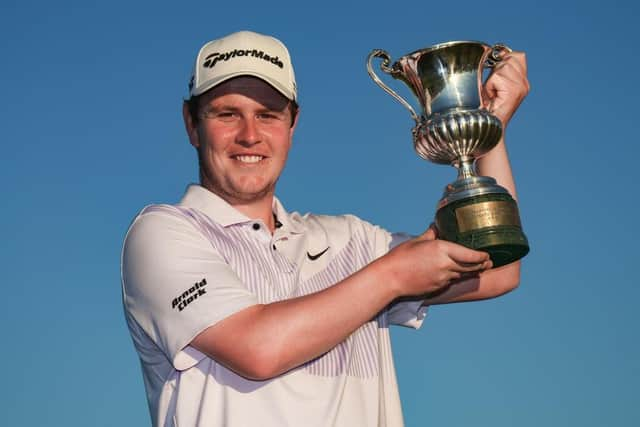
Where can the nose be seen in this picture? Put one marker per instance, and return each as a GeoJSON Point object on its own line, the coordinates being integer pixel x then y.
{"type": "Point", "coordinates": [249, 133]}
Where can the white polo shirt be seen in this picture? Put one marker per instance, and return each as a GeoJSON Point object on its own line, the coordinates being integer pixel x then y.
{"type": "Point", "coordinates": [188, 266]}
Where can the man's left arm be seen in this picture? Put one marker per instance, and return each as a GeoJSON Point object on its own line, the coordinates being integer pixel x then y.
{"type": "Point", "coordinates": [505, 90]}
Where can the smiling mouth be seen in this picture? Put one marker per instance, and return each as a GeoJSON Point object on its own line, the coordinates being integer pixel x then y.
{"type": "Point", "coordinates": [248, 159]}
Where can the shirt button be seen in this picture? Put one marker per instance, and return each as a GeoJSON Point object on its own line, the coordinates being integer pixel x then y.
{"type": "Point", "coordinates": [256, 226]}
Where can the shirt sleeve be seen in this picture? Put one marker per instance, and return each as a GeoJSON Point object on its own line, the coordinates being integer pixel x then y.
{"type": "Point", "coordinates": [403, 313]}
{"type": "Point", "coordinates": [176, 284]}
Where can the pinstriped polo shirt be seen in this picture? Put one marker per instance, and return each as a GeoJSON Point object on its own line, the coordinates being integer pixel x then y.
{"type": "Point", "coordinates": [187, 266]}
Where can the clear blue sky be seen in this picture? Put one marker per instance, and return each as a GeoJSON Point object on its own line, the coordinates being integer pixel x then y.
{"type": "Point", "coordinates": [91, 132]}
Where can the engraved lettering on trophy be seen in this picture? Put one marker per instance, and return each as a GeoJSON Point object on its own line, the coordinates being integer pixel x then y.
{"type": "Point", "coordinates": [487, 214]}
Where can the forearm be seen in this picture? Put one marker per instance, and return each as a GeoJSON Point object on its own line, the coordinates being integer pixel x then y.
{"type": "Point", "coordinates": [489, 284]}
{"type": "Point", "coordinates": [496, 164]}
{"type": "Point", "coordinates": [273, 338]}
{"type": "Point", "coordinates": [505, 89]}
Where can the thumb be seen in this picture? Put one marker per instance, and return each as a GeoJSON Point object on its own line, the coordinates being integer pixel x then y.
{"type": "Point", "coordinates": [430, 234]}
{"type": "Point", "coordinates": [463, 255]}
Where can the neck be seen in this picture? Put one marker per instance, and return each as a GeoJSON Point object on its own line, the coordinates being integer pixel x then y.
{"type": "Point", "coordinates": [258, 209]}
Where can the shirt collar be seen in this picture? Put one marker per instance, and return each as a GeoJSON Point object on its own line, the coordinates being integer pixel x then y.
{"type": "Point", "coordinates": [216, 208]}
{"type": "Point", "coordinates": [292, 223]}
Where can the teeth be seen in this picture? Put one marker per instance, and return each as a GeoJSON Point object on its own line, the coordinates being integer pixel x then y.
{"type": "Point", "coordinates": [249, 159]}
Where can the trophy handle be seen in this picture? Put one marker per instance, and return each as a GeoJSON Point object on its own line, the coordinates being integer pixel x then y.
{"type": "Point", "coordinates": [384, 66]}
{"type": "Point", "coordinates": [496, 54]}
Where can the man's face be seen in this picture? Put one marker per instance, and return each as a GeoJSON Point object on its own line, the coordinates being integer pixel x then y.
{"type": "Point", "coordinates": [243, 138]}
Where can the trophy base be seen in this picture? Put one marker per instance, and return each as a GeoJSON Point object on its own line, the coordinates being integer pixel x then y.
{"type": "Point", "coordinates": [488, 222]}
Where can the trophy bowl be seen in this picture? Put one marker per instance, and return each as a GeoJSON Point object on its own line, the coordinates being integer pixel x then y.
{"type": "Point", "coordinates": [455, 127]}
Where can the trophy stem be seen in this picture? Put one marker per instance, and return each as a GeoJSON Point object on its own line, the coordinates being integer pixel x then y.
{"type": "Point", "coordinates": [466, 168]}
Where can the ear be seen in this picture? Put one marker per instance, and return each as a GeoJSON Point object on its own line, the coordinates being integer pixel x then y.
{"type": "Point", "coordinates": [293, 125]}
{"type": "Point", "coordinates": [189, 126]}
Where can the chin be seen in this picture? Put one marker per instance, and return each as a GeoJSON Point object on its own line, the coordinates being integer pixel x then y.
{"type": "Point", "coordinates": [253, 185]}
{"type": "Point", "coordinates": [249, 193]}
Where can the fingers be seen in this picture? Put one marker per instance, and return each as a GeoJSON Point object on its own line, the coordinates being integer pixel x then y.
{"type": "Point", "coordinates": [518, 60]}
{"type": "Point", "coordinates": [465, 256]}
{"type": "Point", "coordinates": [515, 71]}
{"type": "Point", "coordinates": [475, 268]}
{"type": "Point", "coordinates": [465, 260]}
{"type": "Point", "coordinates": [426, 263]}
{"type": "Point", "coordinates": [457, 259]}
{"type": "Point", "coordinates": [456, 276]}
{"type": "Point", "coordinates": [507, 86]}
{"type": "Point", "coordinates": [509, 75]}
{"type": "Point", "coordinates": [460, 272]}
{"type": "Point", "coordinates": [462, 259]}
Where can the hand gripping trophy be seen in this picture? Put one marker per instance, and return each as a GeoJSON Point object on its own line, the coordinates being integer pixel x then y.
{"type": "Point", "coordinates": [455, 128]}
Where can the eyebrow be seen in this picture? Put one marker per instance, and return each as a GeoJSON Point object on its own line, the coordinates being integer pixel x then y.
{"type": "Point", "coordinates": [211, 106]}
{"type": "Point", "coordinates": [230, 107]}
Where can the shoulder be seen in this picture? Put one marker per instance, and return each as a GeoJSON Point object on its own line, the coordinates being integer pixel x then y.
{"type": "Point", "coordinates": [159, 214]}
{"type": "Point", "coordinates": [155, 221]}
{"type": "Point", "coordinates": [159, 230]}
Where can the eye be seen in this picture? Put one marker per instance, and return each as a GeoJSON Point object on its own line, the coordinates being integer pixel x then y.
{"type": "Point", "coordinates": [226, 115]}
{"type": "Point", "coordinates": [266, 116]}
{"type": "Point", "coordinates": [221, 115]}
{"type": "Point", "coordinates": [270, 116]}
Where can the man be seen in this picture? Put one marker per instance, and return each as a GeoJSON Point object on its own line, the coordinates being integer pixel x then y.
{"type": "Point", "coordinates": [245, 314]}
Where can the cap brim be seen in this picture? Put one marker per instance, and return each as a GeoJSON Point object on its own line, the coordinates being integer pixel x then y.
{"type": "Point", "coordinates": [210, 84]}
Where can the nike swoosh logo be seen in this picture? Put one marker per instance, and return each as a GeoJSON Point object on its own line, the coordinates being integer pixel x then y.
{"type": "Point", "coordinates": [318, 255]}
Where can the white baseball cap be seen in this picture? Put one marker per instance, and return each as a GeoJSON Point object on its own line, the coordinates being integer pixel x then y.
{"type": "Point", "coordinates": [244, 53]}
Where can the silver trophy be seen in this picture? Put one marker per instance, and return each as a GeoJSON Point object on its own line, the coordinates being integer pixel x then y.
{"type": "Point", "coordinates": [456, 128]}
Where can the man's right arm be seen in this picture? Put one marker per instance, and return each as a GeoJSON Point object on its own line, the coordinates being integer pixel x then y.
{"type": "Point", "coordinates": [266, 340]}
